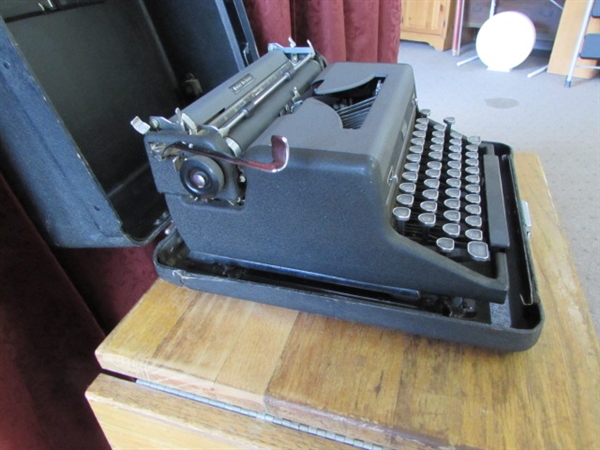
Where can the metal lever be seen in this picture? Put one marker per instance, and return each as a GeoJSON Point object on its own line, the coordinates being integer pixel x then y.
{"type": "Point", "coordinates": [280, 150]}
{"type": "Point", "coordinates": [209, 143]}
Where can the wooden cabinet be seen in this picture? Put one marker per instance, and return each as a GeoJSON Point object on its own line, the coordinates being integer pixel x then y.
{"type": "Point", "coordinates": [428, 21]}
{"type": "Point", "coordinates": [187, 369]}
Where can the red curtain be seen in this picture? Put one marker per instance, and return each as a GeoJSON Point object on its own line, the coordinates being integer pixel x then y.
{"type": "Point", "coordinates": [341, 30]}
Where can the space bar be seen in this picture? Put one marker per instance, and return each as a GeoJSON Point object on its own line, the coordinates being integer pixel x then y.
{"type": "Point", "coordinates": [496, 211]}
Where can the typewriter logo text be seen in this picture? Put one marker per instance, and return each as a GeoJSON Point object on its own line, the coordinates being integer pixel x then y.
{"type": "Point", "coordinates": [241, 83]}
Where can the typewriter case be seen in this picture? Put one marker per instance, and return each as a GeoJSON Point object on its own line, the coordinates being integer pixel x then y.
{"type": "Point", "coordinates": [97, 208]}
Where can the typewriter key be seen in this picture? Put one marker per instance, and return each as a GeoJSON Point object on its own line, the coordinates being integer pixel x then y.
{"type": "Point", "coordinates": [478, 250]}
{"type": "Point", "coordinates": [472, 170]}
{"type": "Point", "coordinates": [436, 165]}
{"type": "Point", "coordinates": [456, 135]}
{"type": "Point", "coordinates": [454, 173]}
{"type": "Point", "coordinates": [472, 179]}
{"type": "Point", "coordinates": [454, 183]}
{"type": "Point", "coordinates": [437, 141]}
{"type": "Point", "coordinates": [445, 244]}
{"type": "Point", "coordinates": [473, 188]}
{"type": "Point", "coordinates": [452, 203]}
{"type": "Point", "coordinates": [455, 142]}
{"type": "Point", "coordinates": [475, 140]}
{"type": "Point", "coordinates": [455, 148]}
{"type": "Point", "coordinates": [413, 157]}
{"type": "Point", "coordinates": [472, 162]}
{"type": "Point", "coordinates": [419, 134]}
{"type": "Point", "coordinates": [438, 134]}
{"type": "Point", "coordinates": [474, 221]}
{"type": "Point", "coordinates": [437, 156]}
{"type": "Point", "coordinates": [472, 148]}
{"type": "Point", "coordinates": [429, 206]}
{"type": "Point", "coordinates": [402, 215]}
{"type": "Point", "coordinates": [473, 198]}
{"type": "Point", "coordinates": [431, 183]}
{"type": "Point", "coordinates": [431, 194]}
{"type": "Point", "coordinates": [474, 235]}
{"type": "Point", "coordinates": [439, 127]}
{"type": "Point", "coordinates": [409, 188]}
{"type": "Point", "coordinates": [455, 156]}
{"type": "Point", "coordinates": [452, 216]}
{"type": "Point", "coordinates": [416, 149]}
{"type": "Point", "coordinates": [411, 167]}
{"type": "Point", "coordinates": [454, 165]}
{"type": "Point", "coordinates": [410, 176]}
{"type": "Point", "coordinates": [452, 229]}
{"type": "Point", "coordinates": [405, 200]}
{"type": "Point", "coordinates": [453, 193]}
{"type": "Point", "coordinates": [473, 209]}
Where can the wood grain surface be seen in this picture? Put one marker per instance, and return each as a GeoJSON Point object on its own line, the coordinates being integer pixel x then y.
{"type": "Point", "coordinates": [382, 386]}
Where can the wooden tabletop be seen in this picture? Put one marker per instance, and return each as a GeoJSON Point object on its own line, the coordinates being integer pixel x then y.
{"type": "Point", "coordinates": [380, 386]}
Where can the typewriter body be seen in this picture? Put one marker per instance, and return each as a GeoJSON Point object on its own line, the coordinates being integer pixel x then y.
{"type": "Point", "coordinates": [326, 189]}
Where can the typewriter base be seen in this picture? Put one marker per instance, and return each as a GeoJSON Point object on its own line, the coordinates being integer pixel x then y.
{"type": "Point", "coordinates": [357, 305]}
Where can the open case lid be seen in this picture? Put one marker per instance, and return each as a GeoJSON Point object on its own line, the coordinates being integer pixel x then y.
{"type": "Point", "coordinates": [72, 76]}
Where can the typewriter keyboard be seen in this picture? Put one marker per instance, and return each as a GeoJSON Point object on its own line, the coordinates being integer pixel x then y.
{"type": "Point", "coordinates": [445, 186]}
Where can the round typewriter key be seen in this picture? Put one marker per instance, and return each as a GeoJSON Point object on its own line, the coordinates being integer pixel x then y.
{"type": "Point", "coordinates": [423, 120]}
{"type": "Point", "coordinates": [454, 182]}
{"type": "Point", "coordinates": [478, 251]}
{"type": "Point", "coordinates": [411, 167]}
{"type": "Point", "coordinates": [419, 134]}
{"type": "Point", "coordinates": [427, 219]}
{"type": "Point", "coordinates": [452, 203]}
{"type": "Point", "coordinates": [445, 244]}
{"type": "Point", "coordinates": [473, 188]}
{"type": "Point", "coordinates": [433, 173]}
{"type": "Point", "coordinates": [475, 140]}
{"type": "Point", "coordinates": [453, 193]}
{"type": "Point", "coordinates": [454, 173]}
{"type": "Point", "coordinates": [410, 176]}
{"type": "Point", "coordinates": [436, 155]}
{"type": "Point", "coordinates": [437, 165]}
{"type": "Point", "coordinates": [455, 148]}
{"type": "Point", "coordinates": [431, 194]}
{"type": "Point", "coordinates": [436, 148]}
{"type": "Point", "coordinates": [473, 155]}
{"type": "Point", "coordinates": [473, 209]}
{"type": "Point", "coordinates": [456, 135]}
{"type": "Point", "coordinates": [429, 206]}
{"type": "Point", "coordinates": [431, 183]}
{"type": "Point", "coordinates": [454, 156]}
{"type": "Point", "coordinates": [416, 149]}
{"type": "Point", "coordinates": [405, 200]}
{"type": "Point", "coordinates": [425, 112]}
{"type": "Point", "coordinates": [457, 142]}
{"type": "Point", "coordinates": [474, 235]}
{"type": "Point", "coordinates": [473, 198]}
{"type": "Point", "coordinates": [449, 120]}
{"type": "Point", "coordinates": [420, 127]}
{"type": "Point", "coordinates": [472, 162]}
{"type": "Point", "coordinates": [452, 216]}
{"type": "Point", "coordinates": [409, 188]}
{"type": "Point", "coordinates": [439, 127]}
{"type": "Point", "coordinates": [413, 157]}
{"type": "Point", "coordinates": [437, 141]}
{"type": "Point", "coordinates": [438, 134]}
{"type": "Point", "coordinates": [474, 221]}
{"type": "Point", "coordinates": [402, 215]}
{"type": "Point", "coordinates": [472, 170]}
{"type": "Point", "coordinates": [472, 148]}
{"type": "Point", "coordinates": [473, 179]}
{"type": "Point", "coordinates": [454, 164]}
{"type": "Point", "coordinates": [451, 229]}
{"type": "Point", "coordinates": [417, 141]}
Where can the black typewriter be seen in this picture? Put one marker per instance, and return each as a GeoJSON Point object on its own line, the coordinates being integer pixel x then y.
{"type": "Point", "coordinates": [324, 188]}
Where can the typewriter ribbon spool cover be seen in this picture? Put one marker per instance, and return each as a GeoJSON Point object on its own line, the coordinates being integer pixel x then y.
{"type": "Point", "coordinates": [326, 189]}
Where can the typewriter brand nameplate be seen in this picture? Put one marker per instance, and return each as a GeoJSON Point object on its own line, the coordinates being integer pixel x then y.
{"type": "Point", "coordinates": [241, 83]}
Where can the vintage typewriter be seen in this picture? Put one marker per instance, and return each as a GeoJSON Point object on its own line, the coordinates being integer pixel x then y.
{"type": "Point", "coordinates": [326, 189]}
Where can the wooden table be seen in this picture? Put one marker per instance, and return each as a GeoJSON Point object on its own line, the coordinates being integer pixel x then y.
{"type": "Point", "coordinates": [369, 386]}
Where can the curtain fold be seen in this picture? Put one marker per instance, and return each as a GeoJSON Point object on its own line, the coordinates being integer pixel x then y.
{"type": "Point", "coordinates": [341, 30]}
